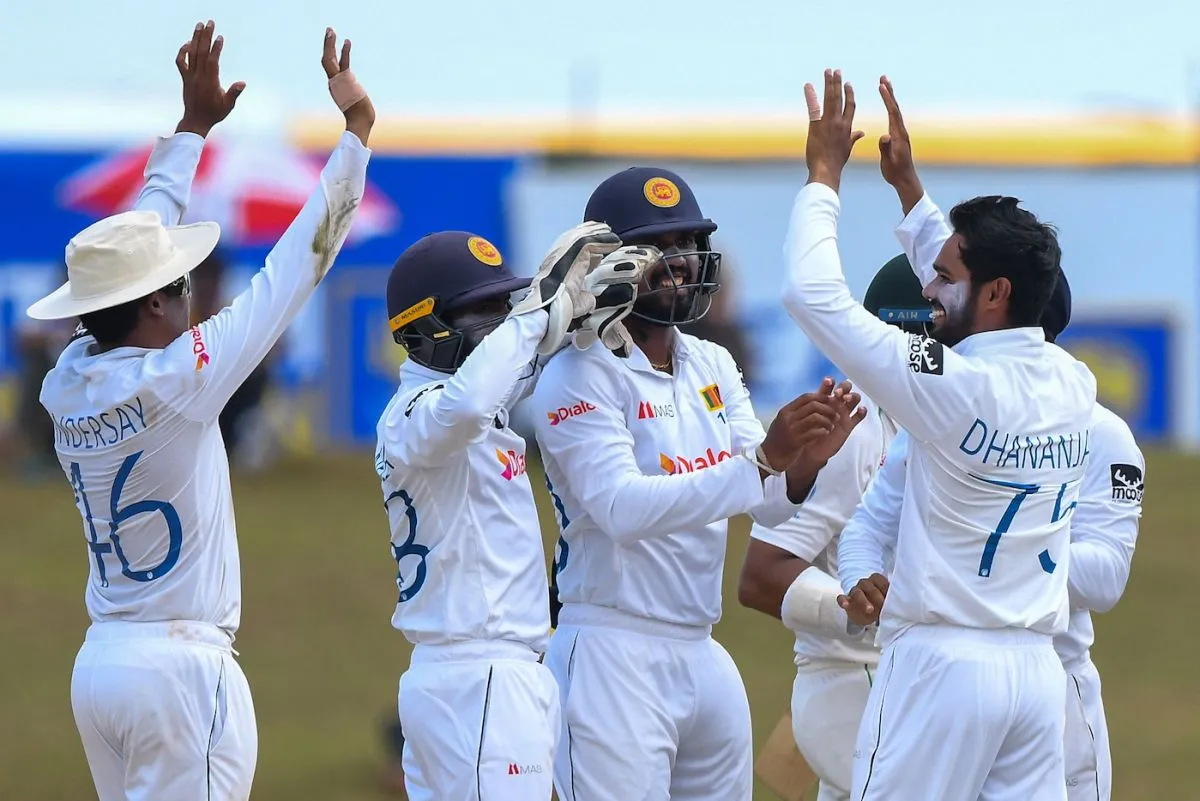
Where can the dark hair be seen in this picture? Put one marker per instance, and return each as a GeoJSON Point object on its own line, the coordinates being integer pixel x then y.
{"type": "Point", "coordinates": [1001, 240]}
{"type": "Point", "coordinates": [113, 325]}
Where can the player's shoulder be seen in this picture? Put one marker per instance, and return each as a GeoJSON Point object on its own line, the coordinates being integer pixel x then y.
{"type": "Point", "coordinates": [1112, 437]}
{"type": "Point", "coordinates": [1071, 371]}
{"type": "Point", "coordinates": [571, 367]}
{"type": "Point", "coordinates": [706, 349]}
{"type": "Point", "coordinates": [412, 390]}
{"type": "Point", "coordinates": [82, 380]}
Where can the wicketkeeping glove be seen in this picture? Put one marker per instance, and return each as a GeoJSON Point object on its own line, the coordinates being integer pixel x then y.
{"type": "Point", "coordinates": [614, 283]}
{"type": "Point", "coordinates": [558, 285]}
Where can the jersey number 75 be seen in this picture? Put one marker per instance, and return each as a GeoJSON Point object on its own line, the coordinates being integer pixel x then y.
{"type": "Point", "coordinates": [1023, 492]}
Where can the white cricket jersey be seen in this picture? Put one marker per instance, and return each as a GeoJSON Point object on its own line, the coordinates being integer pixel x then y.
{"type": "Point", "coordinates": [464, 526]}
{"type": "Point", "coordinates": [645, 468]}
{"type": "Point", "coordinates": [813, 532]}
{"type": "Point", "coordinates": [136, 429]}
{"type": "Point", "coordinates": [999, 430]}
{"type": "Point", "coordinates": [1104, 530]}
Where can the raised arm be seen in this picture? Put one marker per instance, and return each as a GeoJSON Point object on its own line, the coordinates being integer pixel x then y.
{"type": "Point", "coordinates": [202, 369]}
{"type": "Point", "coordinates": [926, 387]}
{"type": "Point", "coordinates": [174, 159]}
{"type": "Point", "coordinates": [438, 422]}
{"type": "Point", "coordinates": [924, 229]}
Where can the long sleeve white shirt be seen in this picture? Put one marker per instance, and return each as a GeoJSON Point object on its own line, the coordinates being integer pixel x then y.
{"type": "Point", "coordinates": [136, 429]}
{"type": "Point", "coordinates": [645, 469]}
{"type": "Point", "coordinates": [1104, 530]}
{"type": "Point", "coordinates": [1104, 525]}
{"type": "Point", "coordinates": [869, 540]}
{"type": "Point", "coordinates": [814, 531]}
{"type": "Point", "coordinates": [999, 432]}
{"type": "Point", "coordinates": [464, 526]}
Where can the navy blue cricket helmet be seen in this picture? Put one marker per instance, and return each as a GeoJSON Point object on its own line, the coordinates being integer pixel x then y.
{"type": "Point", "coordinates": [430, 292]}
{"type": "Point", "coordinates": [654, 206]}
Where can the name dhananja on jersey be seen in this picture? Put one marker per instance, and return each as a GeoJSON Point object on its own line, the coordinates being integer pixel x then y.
{"type": "Point", "coordinates": [1104, 524]}
{"type": "Point", "coordinates": [464, 525]}
{"type": "Point", "coordinates": [645, 468]}
{"type": "Point", "coordinates": [136, 429]}
{"type": "Point", "coordinates": [814, 531]}
{"type": "Point", "coordinates": [999, 430]}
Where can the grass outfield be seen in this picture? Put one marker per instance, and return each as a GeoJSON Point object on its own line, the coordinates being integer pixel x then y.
{"type": "Point", "coordinates": [323, 661]}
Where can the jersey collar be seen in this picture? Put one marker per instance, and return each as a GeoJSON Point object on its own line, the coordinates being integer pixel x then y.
{"type": "Point", "coordinates": [1006, 340]}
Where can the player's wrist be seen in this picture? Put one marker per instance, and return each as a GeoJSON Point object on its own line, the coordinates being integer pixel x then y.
{"type": "Point", "coordinates": [188, 124]}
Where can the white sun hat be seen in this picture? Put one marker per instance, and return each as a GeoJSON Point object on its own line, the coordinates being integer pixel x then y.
{"type": "Point", "coordinates": [122, 258]}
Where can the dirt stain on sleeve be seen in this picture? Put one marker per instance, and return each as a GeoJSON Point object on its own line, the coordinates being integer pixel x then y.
{"type": "Point", "coordinates": [335, 225]}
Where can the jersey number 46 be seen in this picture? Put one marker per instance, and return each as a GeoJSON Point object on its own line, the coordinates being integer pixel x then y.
{"type": "Point", "coordinates": [117, 515]}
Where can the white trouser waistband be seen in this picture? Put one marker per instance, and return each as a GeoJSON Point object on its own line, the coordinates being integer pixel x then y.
{"type": "Point", "coordinates": [472, 651]}
{"type": "Point", "coordinates": [181, 631]}
{"type": "Point", "coordinates": [942, 634]}
{"type": "Point", "coordinates": [589, 615]}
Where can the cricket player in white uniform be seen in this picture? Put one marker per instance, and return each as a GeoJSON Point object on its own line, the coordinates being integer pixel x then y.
{"type": "Point", "coordinates": [646, 458]}
{"type": "Point", "coordinates": [163, 709]}
{"type": "Point", "coordinates": [969, 698]}
{"type": "Point", "coordinates": [1104, 529]}
{"type": "Point", "coordinates": [1104, 532]}
{"type": "Point", "coordinates": [1104, 524]}
{"type": "Point", "coordinates": [791, 573]}
{"type": "Point", "coordinates": [480, 713]}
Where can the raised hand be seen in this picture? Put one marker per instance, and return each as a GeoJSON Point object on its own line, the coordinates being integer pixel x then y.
{"type": "Point", "coordinates": [614, 283]}
{"type": "Point", "coordinates": [799, 423]}
{"type": "Point", "coordinates": [831, 134]}
{"type": "Point", "coordinates": [558, 285]}
{"type": "Point", "coordinates": [205, 103]}
{"type": "Point", "coordinates": [351, 99]}
{"type": "Point", "coordinates": [895, 151]}
{"type": "Point", "coordinates": [848, 414]}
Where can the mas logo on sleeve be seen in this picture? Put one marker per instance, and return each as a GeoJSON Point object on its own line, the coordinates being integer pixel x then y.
{"type": "Point", "coordinates": [925, 355]}
{"type": "Point", "coordinates": [1127, 483]}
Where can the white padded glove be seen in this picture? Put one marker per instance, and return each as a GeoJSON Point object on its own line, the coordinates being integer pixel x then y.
{"type": "Point", "coordinates": [614, 283]}
{"type": "Point", "coordinates": [558, 286]}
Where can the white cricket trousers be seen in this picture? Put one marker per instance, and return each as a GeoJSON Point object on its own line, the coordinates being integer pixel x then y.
{"type": "Point", "coordinates": [652, 711]}
{"type": "Point", "coordinates": [828, 699]}
{"type": "Point", "coordinates": [963, 714]}
{"type": "Point", "coordinates": [1088, 760]}
{"type": "Point", "coordinates": [164, 712]}
{"type": "Point", "coordinates": [480, 722]}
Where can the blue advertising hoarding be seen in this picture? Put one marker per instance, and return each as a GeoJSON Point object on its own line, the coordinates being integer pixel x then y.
{"type": "Point", "coordinates": [330, 348]}
{"type": "Point", "coordinates": [1134, 363]}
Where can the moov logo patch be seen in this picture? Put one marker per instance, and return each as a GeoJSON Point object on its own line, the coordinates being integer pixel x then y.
{"type": "Point", "coordinates": [682, 464]}
{"type": "Point", "coordinates": [565, 412]}
{"type": "Point", "coordinates": [513, 464]}
{"type": "Point", "coordinates": [198, 349]}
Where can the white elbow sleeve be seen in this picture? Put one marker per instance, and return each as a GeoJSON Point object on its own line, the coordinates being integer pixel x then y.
{"type": "Point", "coordinates": [810, 606]}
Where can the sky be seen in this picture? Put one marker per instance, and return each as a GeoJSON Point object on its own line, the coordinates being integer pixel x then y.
{"type": "Point", "coordinates": [113, 62]}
